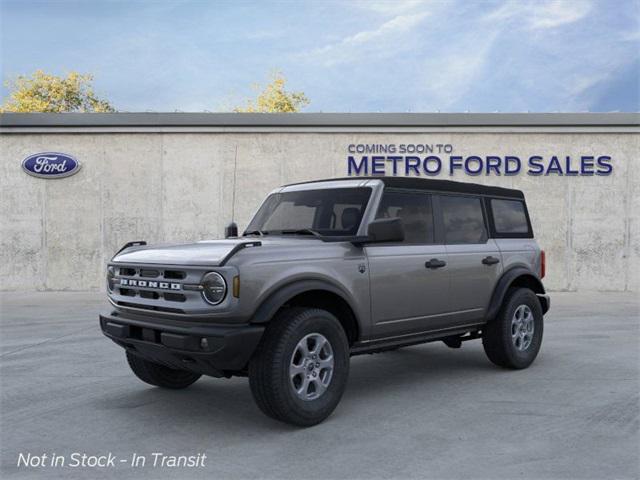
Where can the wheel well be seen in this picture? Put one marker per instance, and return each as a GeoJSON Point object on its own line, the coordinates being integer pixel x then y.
{"type": "Point", "coordinates": [333, 304]}
{"type": "Point", "coordinates": [516, 278]}
{"type": "Point", "coordinates": [527, 281]}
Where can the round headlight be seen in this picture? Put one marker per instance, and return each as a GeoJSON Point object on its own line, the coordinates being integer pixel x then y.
{"type": "Point", "coordinates": [111, 272]}
{"type": "Point", "coordinates": [214, 288]}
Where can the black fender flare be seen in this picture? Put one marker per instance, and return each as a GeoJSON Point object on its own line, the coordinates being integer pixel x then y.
{"type": "Point", "coordinates": [506, 280]}
{"type": "Point", "coordinates": [279, 297]}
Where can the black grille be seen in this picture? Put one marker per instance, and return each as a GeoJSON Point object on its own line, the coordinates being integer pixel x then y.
{"type": "Point", "coordinates": [174, 297]}
{"type": "Point", "coordinates": [150, 307]}
{"type": "Point", "coordinates": [152, 273]}
{"type": "Point", "coordinates": [174, 274]}
{"type": "Point", "coordinates": [149, 294]}
{"type": "Point", "coordinates": [151, 297]}
{"type": "Point", "coordinates": [145, 272]}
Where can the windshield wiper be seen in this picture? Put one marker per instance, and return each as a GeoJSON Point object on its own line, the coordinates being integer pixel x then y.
{"type": "Point", "coordinates": [302, 231]}
{"type": "Point", "coordinates": [260, 233]}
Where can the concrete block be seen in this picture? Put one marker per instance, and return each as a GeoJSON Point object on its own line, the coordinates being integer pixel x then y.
{"type": "Point", "coordinates": [119, 230]}
{"type": "Point", "coordinates": [132, 176]}
{"type": "Point", "coordinates": [193, 176]}
{"type": "Point", "coordinates": [598, 253]}
{"type": "Point", "coordinates": [306, 156]}
{"type": "Point", "coordinates": [73, 216]}
{"type": "Point", "coordinates": [260, 169]}
{"type": "Point", "coordinates": [22, 197]}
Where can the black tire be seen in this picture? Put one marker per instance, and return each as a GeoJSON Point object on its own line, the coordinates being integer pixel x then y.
{"type": "Point", "coordinates": [159, 375]}
{"type": "Point", "coordinates": [497, 335]}
{"type": "Point", "coordinates": [269, 377]}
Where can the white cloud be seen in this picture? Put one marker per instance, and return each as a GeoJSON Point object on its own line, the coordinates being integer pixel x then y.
{"type": "Point", "coordinates": [556, 13]}
{"type": "Point", "coordinates": [397, 25]}
{"type": "Point", "coordinates": [581, 82]}
{"type": "Point", "coordinates": [451, 74]}
{"type": "Point", "coordinates": [540, 15]}
{"type": "Point", "coordinates": [630, 36]}
{"type": "Point", "coordinates": [379, 42]}
{"type": "Point", "coordinates": [390, 7]}
{"type": "Point", "coordinates": [565, 70]}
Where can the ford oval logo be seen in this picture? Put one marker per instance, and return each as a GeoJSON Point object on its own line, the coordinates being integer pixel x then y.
{"type": "Point", "coordinates": [50, 165]}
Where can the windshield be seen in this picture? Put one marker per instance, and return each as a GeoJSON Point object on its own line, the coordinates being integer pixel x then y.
{"type": "Point", "coordinates": [327, 212]}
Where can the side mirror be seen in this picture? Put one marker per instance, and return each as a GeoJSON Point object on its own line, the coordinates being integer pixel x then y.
{"type": "Point", "coordinates": [385, 230]}
{"type": "Point", "coordinates": [231, 230]}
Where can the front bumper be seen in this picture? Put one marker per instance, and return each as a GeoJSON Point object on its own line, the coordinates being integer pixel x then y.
{"type": "Point", "coordinates": [180, 344]}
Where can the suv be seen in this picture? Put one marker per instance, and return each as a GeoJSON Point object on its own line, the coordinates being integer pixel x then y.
{"type": "Point", "coordinates": [329, 269]}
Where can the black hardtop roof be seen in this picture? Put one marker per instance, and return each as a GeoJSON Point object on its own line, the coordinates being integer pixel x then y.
{"type": "Point", "coordinates": [432, 184]}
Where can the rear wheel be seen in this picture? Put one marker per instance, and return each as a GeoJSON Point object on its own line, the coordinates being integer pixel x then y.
{"type": "Point", "coordinates": [159, 375]}
{"type": "Point", "coordinates": [299, 371]}
{"type": "Point", "coordinates": [514, 337]}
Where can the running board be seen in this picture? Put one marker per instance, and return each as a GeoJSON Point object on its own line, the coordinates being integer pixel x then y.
{"type": "Point", "coordinates": [382, 344]}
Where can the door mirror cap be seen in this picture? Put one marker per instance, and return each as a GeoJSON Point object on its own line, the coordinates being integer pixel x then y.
{"type": "Point", "coordinates": [231, 230]}
{"type": "Point", "coordinates": [385, 230]}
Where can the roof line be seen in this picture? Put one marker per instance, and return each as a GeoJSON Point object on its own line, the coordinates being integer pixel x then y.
{"type": "Point", "coordinates": [30, 120]}
{"type": "Point", "coordinates": [428, 184]}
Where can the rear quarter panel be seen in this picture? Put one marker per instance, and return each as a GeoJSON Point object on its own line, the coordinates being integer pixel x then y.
{"type": "Point", "coordinates": [519, 252]}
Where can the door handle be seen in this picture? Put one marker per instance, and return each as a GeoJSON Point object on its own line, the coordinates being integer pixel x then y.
{"type": "Point", "coordinates": [490, 260]}
{"type": "Point", "coordinates": [435, 263]}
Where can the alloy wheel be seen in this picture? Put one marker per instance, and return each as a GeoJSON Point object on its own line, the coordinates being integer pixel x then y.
{"type": "Point", "coordinates": [522, 327]}
{"type": "Point", "coordinates": [311, 366]}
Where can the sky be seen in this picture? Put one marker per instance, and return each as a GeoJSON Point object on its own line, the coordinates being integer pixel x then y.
{"type": "Point", "coordinates": [346, 56]}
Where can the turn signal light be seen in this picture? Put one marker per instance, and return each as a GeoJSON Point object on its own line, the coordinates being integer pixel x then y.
{"type": "Point", "coordinates": [236, 286]}
{"type": "Point", "coordinates": [543, 264]}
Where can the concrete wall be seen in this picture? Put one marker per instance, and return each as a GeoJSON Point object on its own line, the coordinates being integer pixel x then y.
{"type": "Point", "coordinates": [165, 187]}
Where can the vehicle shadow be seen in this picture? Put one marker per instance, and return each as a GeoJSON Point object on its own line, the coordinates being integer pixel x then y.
{"type": "Point", "coordinates": [379, 373]}
{"type": "Point", "coordinates": [227, 404]}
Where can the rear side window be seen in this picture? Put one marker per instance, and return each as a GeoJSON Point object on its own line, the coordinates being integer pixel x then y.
{"type": "Point", "coordinates": [509, 216]}
{"type": "Point", "coordinates": [415, 211]}
{"type": "Point", "coordinates": [463, 219]}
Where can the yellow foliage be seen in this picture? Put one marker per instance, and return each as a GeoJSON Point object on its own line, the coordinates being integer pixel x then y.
{"type": "Point", "coordinates": [42, 92]}
{"type": "Point", "coordinates": [275, 99]}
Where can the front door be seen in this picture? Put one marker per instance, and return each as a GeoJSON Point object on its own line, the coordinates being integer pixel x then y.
{"type": "Point", "coordinates": [409, 280]}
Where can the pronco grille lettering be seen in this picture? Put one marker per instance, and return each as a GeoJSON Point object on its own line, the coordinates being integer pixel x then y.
{"type": "Point", "coordinates": [128, 282]}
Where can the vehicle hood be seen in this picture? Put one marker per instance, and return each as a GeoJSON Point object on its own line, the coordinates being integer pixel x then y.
{"type": "Point", "coordinates": [206, 252]}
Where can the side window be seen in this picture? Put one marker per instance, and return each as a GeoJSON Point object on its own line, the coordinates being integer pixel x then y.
{"type": "Point", "coordinates": [416, 213]}
{"type": "Point", "coordinates": [509, 216]}
{"type": "Point", "coordinates": [463, 219]}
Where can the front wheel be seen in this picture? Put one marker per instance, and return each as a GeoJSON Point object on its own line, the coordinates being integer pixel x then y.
{"type": "Point", "coordinates": [514, 337]}
{"type": "Point", "coordinates": [300, 369]}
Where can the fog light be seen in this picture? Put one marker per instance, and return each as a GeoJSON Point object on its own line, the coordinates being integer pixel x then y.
{"type": "Point", "coordinates": [204, 343]}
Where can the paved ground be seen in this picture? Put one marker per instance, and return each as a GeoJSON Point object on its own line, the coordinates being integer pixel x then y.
{"type": "Point", "coordinates": [421, 412]}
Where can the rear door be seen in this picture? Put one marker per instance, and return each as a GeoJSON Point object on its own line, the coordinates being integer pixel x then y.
{"type": "Point", "coordinates": [474, 260]}
{"type": "Point", "coordinates": [406, 295]}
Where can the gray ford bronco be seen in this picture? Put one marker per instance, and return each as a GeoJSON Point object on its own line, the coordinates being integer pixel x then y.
{"type": "Point", "coordinates": [326, 270]}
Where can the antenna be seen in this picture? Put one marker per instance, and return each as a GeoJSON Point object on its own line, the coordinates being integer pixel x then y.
{"type": "Point", "coordinates": [233, 200]}
{"type": "Point", "coordinates": [232, 229]}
